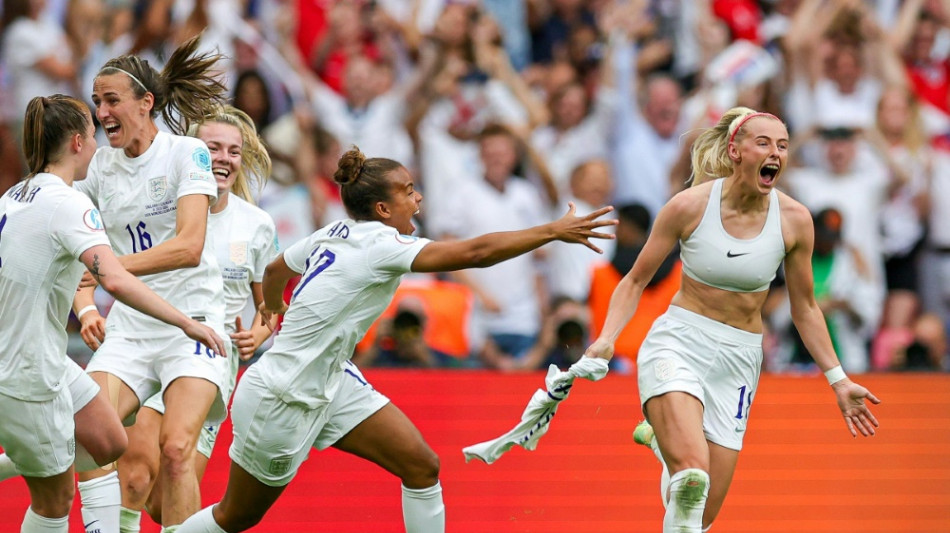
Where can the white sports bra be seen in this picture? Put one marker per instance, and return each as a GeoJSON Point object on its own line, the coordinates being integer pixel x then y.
{"type": "Point", "coordinates": [713, 257]}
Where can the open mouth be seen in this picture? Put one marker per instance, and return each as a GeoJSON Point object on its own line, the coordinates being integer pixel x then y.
{"type": "Point", "coordinates": [112, 129]}
{"type": "Point", "coordinates": [768, 173]}
{"type": "Point", "coordinates": [221, 174]}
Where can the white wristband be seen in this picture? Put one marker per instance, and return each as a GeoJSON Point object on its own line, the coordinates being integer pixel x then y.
{"type": "Point", "coordinates": [85, 310]}
{"type": "Point", "coordinates": [835, 375]}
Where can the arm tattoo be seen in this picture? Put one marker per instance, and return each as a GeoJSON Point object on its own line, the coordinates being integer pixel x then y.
{"type": "Point", "coordinates": [95, 268]}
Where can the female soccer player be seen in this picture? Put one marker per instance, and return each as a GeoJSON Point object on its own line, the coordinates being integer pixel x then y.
{"type": "Point", "coordinates": [45, 226]}
{"type": "Point", "coordinates": [305, 392]}
{"type": "Point", "coordinates": [245, 242]}
{"type": "Point", "coordinates": [154, 190]}
{"type": "Point", "coordinates": [699, 364]}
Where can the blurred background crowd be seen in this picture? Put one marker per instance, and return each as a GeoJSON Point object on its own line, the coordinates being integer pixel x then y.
{"type": "Point", "coordinates": [506, 110]}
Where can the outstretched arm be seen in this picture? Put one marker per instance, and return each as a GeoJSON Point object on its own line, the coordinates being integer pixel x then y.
{"type": "Point", "coordinates": [623, 302]}
{"type": "Point", "coordinates": [810, 322]}
{"type": "Point", "coordinates": [487, 250]}
{"type": "Point", "coordinates": [117, 281]}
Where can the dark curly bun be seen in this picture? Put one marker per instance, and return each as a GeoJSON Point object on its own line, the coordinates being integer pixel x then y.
{"type": "Point", "coordinates": [350, 166]}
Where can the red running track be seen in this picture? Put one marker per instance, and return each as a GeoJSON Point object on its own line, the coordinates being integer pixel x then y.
{"type": "Point", "coordinates": [800, 472]}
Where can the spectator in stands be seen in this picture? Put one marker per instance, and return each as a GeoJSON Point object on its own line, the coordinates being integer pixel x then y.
{"type": "Point", "coordinates": [858, 190]}
{"type": "Point", "coordinates": [846, 293]}
{"type": "Point", "coordinates": [569, 270]}
{"type": "Point", "coordinates": [839, 60]}
{"type": "Point", "coordinates": [510, 296]}
{"type": "Point", "coordinates": [38, 56]}
{"type": "Point", "coordinates": [902, 148]}
{"type": "Point", "coordinates": [646, 138]}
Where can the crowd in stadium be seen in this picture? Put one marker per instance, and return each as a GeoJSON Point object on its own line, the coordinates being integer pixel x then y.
{"type": "Point", "coordinates": [505, 111]}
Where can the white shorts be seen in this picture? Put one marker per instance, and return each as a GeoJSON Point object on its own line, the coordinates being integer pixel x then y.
{"type": "Point", "coordinates": [718, 364]}
{"type": "Point", "coordinates": [82, 388]}
{"type": "Point", "coordinates": [273, 438]}
{"type": "Point", "coordinates": [39, 437]}
{"type": "Point", "coordinates": [209, 432]}
{"type": "Point", "coordinates": [149, 365]}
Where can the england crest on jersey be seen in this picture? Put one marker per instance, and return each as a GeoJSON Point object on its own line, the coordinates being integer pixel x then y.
{"type": "Point", "coordinates": [238, 253]}
{"type": "Point", "coordinates": [157, 187]}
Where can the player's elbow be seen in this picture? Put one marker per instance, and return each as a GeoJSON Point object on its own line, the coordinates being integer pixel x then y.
{"type": "Point", "coordinates": [190, 255]}
{"type": "Point", "coordinates": [116, 284]}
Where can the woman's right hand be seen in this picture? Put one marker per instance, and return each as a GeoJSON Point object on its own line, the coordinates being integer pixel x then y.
{"type": "Point", "coordinates": [207, 336]}
{"type": "Point", "coordinates": [267, 314]}
{"type": "Point", "coordinates": [571, 228]}
{"type": "Point", "coordinates": [92, 329]}
{"type": "Point", "coordinates": [600, 348]}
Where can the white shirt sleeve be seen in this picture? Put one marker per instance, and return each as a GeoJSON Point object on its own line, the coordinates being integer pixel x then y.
{"type": "Point", "coordinates": [194, 170]}
{"type": "Point", "coordinates": [296, 256]}
{"type": "Point", "coordinates": [77, 225]}
{"type": "Point", "coordinates": [394, 253]}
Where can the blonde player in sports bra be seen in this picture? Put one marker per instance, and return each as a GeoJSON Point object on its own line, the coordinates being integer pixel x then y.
{"type": "Point", "coordinates": [699, 365]}
{"type": "Point", "coordinates": [305, 392]}
{"type": "Point", "coordinates": [154, 189]}
{"type": "Point", "coordinates": [45, 226]}
{"type": "Point", "coordinates": [245, 242]}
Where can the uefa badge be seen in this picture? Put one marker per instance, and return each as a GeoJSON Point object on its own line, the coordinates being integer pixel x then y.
{"type": "Point", "coordinates": [238, 252]}
{"type": "Point", "coordinates": [157, 187]}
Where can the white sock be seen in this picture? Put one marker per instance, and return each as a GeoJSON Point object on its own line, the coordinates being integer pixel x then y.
{"type": "Point", "coordinates": [101, 500]}
{"type": "Point", "coordinates": [129, 521]}
{"type": "Point", "coordinates": [664, 476]}
{"type": "Point", "coordinates": [201, 522]}
{"type": "Point", "coordinates": [423, 510]}
{"type": "Point", "coordinates": [706, 529]}
{"type": "Point", "coordinates": [170, 529]}
{"type": "Point", "coordinates": [688, 491]}
{"type": "Point", "coordinates": [7, 468]}
{"type": "Point", "coordinates": [34, 523]}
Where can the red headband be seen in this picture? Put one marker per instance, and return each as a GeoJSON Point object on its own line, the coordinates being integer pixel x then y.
{"type": "Point", "coordinates": [746, 119]}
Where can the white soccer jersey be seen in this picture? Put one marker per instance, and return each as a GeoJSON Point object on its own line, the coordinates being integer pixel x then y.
{"type": "Point", "coordinates": [43, 231]}
{"type": "Point", "coordinates": [245, 242]}
{"type": "Point", "coordinates": [138, 198]}
{"type": "Point", "coordinates": [349, 273]}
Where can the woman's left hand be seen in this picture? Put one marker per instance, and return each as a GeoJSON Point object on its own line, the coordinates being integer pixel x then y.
{"type": "Point", "coordinates": [856, 414]}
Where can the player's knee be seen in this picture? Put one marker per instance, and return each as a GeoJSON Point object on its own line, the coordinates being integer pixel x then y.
{"type": "Point", "coordinates": [177, 454]}
{"type": "Point", "coordinates": [137, 480]}
{"type": "Point", "coordinates": [422, 469]}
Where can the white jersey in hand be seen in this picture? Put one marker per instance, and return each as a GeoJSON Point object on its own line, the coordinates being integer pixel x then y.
{"type": "Point", "coordinates": [349, 273]}
{"type": "Point", "coordinates": [245, 242]}
{"type": "Point", "coordinates": [43, 231]}
{"type": "Point", "coordinates": [138, 198]}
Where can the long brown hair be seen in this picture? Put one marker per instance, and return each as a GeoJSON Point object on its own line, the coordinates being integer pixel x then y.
{"type": "Point", "coordinates": [185, 91]}
{"type": "Point", "coordinates": [49, 122]}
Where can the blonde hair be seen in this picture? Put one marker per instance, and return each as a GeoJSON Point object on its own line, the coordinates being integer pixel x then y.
{"type": "Point", "coordinates": [255, 161]}
{"type": "Point", "coordinates": [709, 155]}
